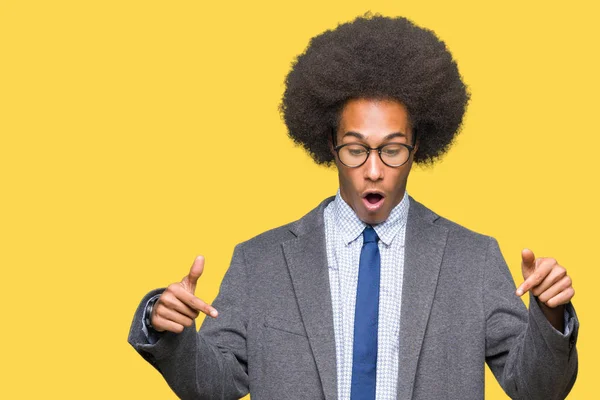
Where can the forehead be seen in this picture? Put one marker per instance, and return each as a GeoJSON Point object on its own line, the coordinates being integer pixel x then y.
{"type": "Point", "coordinates": [374, 117]}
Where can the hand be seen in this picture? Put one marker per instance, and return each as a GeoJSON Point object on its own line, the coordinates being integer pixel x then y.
{"type": "Point", "coordinates": [177, 307]}
{"type": "Point", "coordinates": [546, 279]}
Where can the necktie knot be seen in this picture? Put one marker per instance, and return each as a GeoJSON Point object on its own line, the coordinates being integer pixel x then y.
{"type": "Point", "coordinates": [369, 235]}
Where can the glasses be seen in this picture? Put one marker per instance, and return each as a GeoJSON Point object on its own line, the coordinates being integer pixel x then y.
{"type": "Point", "coordinates": [354, 155]}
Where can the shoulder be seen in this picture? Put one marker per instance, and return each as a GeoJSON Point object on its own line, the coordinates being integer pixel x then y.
{"type": "Point", "coordinates": [464, 246]}
{"type": "Point", "coordinates": [456, 232]}
{"type": "Point", "coordinates": [310, 222]}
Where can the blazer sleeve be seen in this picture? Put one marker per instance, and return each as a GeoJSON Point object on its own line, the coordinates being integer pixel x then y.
{"type": "Point", "coordinates": [527, 355]}
{"type": "Point", "coordinates": [211, 363]}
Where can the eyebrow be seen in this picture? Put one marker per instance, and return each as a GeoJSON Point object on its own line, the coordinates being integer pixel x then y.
{"type": "Point", "coordinates": [362, 137]}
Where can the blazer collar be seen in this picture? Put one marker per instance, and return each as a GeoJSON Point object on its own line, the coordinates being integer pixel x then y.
{"type": "Point", "coordinates": [312, 220]}
{"type": "Point", "coordinates": [306, 258]}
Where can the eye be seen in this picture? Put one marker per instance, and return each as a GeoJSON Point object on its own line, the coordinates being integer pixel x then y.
{"type": "Point", "coordinates": [391, 152]}
{"type": "Point", "coordinates": [393, 149]}
{"type": "Point", "coordinates": [355, 150]}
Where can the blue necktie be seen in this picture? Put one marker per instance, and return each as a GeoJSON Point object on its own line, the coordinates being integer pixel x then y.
{"type": "Point", "coordinates": [366, 319]}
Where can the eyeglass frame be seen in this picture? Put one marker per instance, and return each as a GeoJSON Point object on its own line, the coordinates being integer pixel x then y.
{"type": "Point", "coordinates": [337, 149]}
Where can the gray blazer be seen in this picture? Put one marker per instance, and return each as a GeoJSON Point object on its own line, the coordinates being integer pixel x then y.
{"type": "Point", "coordinates": [274, 336]}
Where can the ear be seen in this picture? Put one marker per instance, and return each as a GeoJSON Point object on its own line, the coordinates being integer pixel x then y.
{"type": "Point", "coordinates": [416, 140]}
{"type": "Point", "coordinates": [333, 154]}
{"type": "Point", "coordinates": [330, 141]}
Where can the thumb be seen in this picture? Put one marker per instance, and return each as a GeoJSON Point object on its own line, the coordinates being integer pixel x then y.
{"type": "Point", "coordinates": [527, 262]}
{"type": "Point", "coordinates": [190, 280]}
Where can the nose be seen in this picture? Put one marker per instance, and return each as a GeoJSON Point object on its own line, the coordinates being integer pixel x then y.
{"type": "Point", "coordinates": [374, 167]}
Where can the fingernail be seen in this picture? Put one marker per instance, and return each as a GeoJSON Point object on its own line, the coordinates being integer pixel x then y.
{"type": "Point", "coordinates": [214, 313]}
{"type": "Point", "coordinates": [519, 292]}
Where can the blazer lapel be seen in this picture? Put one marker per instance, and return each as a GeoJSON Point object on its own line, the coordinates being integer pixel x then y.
{"type": "Point", "coordinates": [306, 258]}
{"type": "Point", "coordinates": [425, 243]}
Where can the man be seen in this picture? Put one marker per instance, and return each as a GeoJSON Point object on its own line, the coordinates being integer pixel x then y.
{"type": "Point", "coordinates": [371, 295]}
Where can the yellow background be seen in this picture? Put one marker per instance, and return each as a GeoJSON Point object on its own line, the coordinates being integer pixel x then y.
{"type": "Point", "coordinates": [138, 134]}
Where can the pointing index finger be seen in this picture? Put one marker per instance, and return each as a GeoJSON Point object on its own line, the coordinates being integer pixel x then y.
{"type": "Point", "coordinates": [196, 303]}
{"type": "Point", "coordinates": [542, 268]}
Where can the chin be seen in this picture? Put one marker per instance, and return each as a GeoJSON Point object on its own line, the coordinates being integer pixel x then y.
{"type": "Point", "coordinates": [373, 219]}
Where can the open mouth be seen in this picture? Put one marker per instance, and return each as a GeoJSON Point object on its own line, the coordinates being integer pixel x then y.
{"type": "Point", "coordinates": [373, 201]}
{"type": "Point", "coordinates": [373, 198]}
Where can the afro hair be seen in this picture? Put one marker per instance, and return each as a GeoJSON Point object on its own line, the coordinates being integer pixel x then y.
{"type": "Point", "coordinates": [375, 57]}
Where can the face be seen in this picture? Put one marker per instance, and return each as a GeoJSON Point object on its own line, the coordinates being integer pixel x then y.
{"type": "Point", "coordinates": [373, 189]}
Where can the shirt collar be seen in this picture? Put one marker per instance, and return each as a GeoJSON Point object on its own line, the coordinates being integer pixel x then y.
{"type": "Point", "coordinates": [351, 227]}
